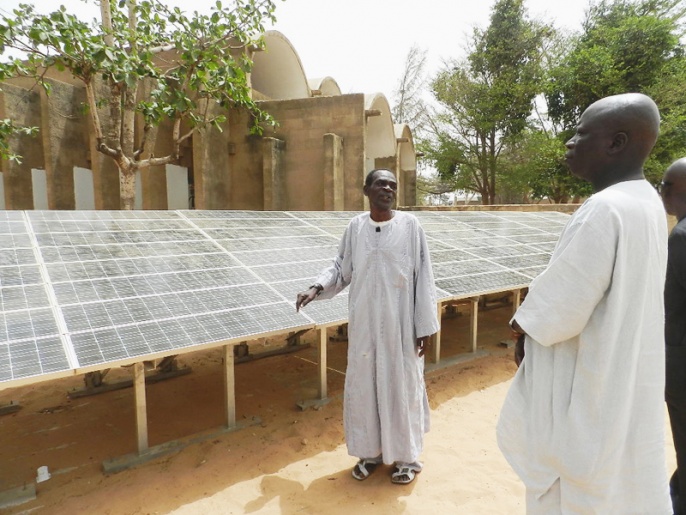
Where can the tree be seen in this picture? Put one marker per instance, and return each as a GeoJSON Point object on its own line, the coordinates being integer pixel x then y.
{"type": "Point", "coordinates": [487, 99]}
{"type": "Point", "coordinates": [409, 106]}
{"type": "Point", "coordinates": [534, 166]}
{"type": "Point", "coordinates": [625, 46]}
{"type": "Point", "coordinates": [114, 59]}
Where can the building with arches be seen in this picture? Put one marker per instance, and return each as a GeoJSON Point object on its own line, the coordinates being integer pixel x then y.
{"type": "Point", "coordinates": [316, 157]}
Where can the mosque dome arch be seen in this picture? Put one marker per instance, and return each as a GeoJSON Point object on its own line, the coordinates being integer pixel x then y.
{"type": "Point", "coordinates": [381, 142]}
{"type": "Point", "coordinates": [277, 72]}
{"type": "Point", "coordinates": [324, 86]}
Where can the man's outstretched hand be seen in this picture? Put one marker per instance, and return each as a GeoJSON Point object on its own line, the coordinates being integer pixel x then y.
{"type": "Point", "coordinates": [519, 349]}
{"type": "Point", "coordinates": [305, 297]}
{"type": "Point", "coordinates": [518, 336]}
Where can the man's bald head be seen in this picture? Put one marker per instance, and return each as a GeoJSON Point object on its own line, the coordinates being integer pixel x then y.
{"type": "Point", "coordinates": [613, 139]}
{"type": "Point", "coordinates": [635, 114]}
{"type": "Point", "coordinates": [673, 188]}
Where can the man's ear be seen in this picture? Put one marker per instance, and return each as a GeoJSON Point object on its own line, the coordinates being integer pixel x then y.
{"type": "Point", "coordinates": [619, 141]}
{"type": "Point", "coordinates": [365, 190]}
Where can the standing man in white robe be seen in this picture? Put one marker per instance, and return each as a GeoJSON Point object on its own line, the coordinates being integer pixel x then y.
{"type": "Point", "coordinates": [583, 421]}
{"type": "Point", "coordinates": [384, 257]}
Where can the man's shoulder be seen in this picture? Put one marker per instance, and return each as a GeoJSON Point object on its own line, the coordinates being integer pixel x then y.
{"type": "Point", "coordinates": [621, 199]}
{"type": "Point", "coordinates": [678, 234]}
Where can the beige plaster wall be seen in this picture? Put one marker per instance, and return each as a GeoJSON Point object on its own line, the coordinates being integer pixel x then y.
{"type": "Point", "coordinates": [303, 125]}
{"type": "Point", "coordinates": [23, 107]}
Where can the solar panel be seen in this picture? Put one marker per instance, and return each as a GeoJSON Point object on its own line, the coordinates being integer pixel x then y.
{"type": "Point", "coordinates": [86, 289]}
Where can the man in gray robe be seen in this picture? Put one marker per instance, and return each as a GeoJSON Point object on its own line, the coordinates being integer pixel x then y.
{"type": "Point", "coordinates": [392, 311]}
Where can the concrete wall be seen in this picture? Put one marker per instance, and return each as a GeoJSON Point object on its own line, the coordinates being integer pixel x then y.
{"type": "Point", "coordinates": [304, 126]}
{"type": "Point", "coordinates": [23, 107]}
{"type": "Point", "coordinates": [313, 160]}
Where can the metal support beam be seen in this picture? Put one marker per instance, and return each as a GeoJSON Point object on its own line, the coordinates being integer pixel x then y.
{"type": "Point", "coordinates": [322, 363]}
{"type": "Point", "coordinates": [436, 338]}
{"type": "Point", "coordinates": [141, 407]}
{"type": "Point", "coordinates": [229, 387]}
{"type": "Point", "coordinates": [473, 326]}
{"type": "Point", "coordinates": [516, 300]}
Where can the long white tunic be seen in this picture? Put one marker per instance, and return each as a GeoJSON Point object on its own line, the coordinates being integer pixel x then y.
{"type": "Point", "coordinates": [392, 301]}
{"type": "Point", "coordinates": [587, 403]}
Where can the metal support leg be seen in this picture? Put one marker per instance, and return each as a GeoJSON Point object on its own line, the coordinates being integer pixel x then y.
{"type": "Point", "coordinates": [516, 300]}
{"type": "Point", "coordinates": [322, 363]}
{"type": "Point", "coordinates": [141, 407]}
{"type": "Point", "coordinates": [474, 321]}
{"type": "Point", "coordinates": [229, 387]}
{"type": "Point", "coordinates": [436, 338]}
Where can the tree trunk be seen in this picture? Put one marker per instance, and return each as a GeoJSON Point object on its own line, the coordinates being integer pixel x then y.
{"type": "Point", "coordinates": [127, 187]}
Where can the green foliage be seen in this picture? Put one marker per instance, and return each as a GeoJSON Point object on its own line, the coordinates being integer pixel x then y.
{"type": "Point", "coordinates": [189, 61]}
{"type": "Point", "coordinates": [625, 46]}
{"type": "Point", "coordinates": [534, 166]}
{"type": "Point", "coordinates": [7, 130]}
{"type": "Point", "coordinates": [487, 99]}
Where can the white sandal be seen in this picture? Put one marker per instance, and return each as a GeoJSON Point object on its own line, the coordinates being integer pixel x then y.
{"type": "Point", "coordinates": [364, 468]}
{"type": "Point", "coordinates": [405, 473]}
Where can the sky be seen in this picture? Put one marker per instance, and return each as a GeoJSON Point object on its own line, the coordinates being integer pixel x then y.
{"type": "Point", "coordinates": [363, 44]}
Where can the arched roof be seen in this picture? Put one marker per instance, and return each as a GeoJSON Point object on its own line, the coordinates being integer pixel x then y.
{"type": "Point", "coordinates": [380, 132]}
{"type": "Point", "coordinates": [277, 70]}
{"type": "Point", "coordinates": [407, 156]}
{"type": "Point", "coordinates": [325, 86]}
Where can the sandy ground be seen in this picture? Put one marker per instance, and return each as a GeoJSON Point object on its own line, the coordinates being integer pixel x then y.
{"type": "Point", "coordinates": [285, 461]}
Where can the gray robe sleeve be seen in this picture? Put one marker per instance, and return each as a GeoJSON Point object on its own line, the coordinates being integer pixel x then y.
{"type": "Point", "coordinates": [337, 277]}
{"type": "Point", "coordinates": [425, 303]}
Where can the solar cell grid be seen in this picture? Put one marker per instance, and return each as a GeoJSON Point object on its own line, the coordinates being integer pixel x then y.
{"type": "Point", "coordinates": [291, 242]}
{"type": "Point", "coordinates": [19, 256]}
{"type": "Point", "coordinates": [444, 256]}
{"type": "Point", "coordinates": [20, 275]}
{"type": "Point", "coordinates": [268, 232]}
{"type": "Point", "coordinates": [27, 324]}
{"type": "Point", "coordinates": [305, 271]}
{"type": "Point", "coordinates": [483, 283]}
{"type": "Point", "coordinates": [531, 272]}
{"type": "Point", "coordinates": [516, 262]}
{"type": "Point", "coordinates": [509, 250]}
{"type": "Point", "coordinates": [216, 228]}
{"type": "Point", "coordinates": [435, 245]}
{"type": "Point", "coordinates": [535, 238]}
{"type": "Point", "coordinates": [14, 298]}
{"type": "Point", "coordinates": [195, 215]}
{"type": "Point", "coordinates": [132, 284]}
{"type": "Point", "coordinates": [477, 266]}
{"type": "Point", "coordinates": [11, 216]}
{"type": "Point", "coordinates": [277, 257]}
{"type": "Point", "coordinates": [478, 241]}
{"type": "Point", "coordinates": [336, 232]}
{"type": "Point", "coordinates": [331, 215]}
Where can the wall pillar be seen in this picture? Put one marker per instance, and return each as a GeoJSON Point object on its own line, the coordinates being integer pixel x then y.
{"type": "Point", "coordinates": [272, 171]}
{"type": "Point", "coordinates": [212, 165]}
{"type": "Point", "coordinates": [65, 140]}
{"type": "Point", "coordinates": [22, 106]}
{"type": "Point", "coordinates": [409, 187]}
{"type": "Point", "coordinates": [334, 166]}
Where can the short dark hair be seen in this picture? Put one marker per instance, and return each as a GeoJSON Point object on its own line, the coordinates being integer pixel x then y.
{"type": "Point", "coordinates": [370, 176]}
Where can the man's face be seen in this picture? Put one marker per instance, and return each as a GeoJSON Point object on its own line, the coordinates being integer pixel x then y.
{"type": "Point", "coordinates": [382, 190]}
{"type": "Point", "coordinates": [587, 149]}
{"type": "Point", "coordinates": [672, 186]}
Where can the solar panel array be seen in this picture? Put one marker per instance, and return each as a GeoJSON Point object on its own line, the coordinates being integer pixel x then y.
{"type": "Point", "coordinates": [83, 290]}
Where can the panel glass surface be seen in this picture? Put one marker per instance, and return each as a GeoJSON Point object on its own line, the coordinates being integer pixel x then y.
{"type": "Point", "coordinates": [96, 288]}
